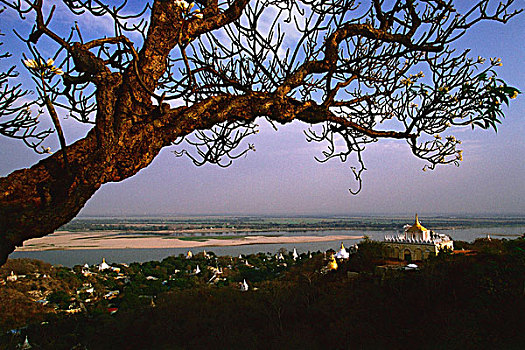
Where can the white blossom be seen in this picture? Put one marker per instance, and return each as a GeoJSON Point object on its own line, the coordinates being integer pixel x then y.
{"type": "Point", "coordinates": [30, 63]}
{"type": "Point", "coordinates": [41, 66]}
{"type": "Point", "coordinates": [56, 70]}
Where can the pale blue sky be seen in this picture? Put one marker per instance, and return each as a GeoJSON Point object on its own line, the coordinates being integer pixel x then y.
{"type": "Point", "coordinates": [282, 177]}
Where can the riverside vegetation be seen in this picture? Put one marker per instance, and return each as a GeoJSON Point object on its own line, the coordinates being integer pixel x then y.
{"type": "Point", "coordinates": [241, 224]}
{"type": "Point", "coordinates": [474, 298]}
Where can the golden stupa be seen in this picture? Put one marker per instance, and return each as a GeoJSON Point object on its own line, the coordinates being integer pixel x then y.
{"type": "Point", "coordinates": [332, 264]}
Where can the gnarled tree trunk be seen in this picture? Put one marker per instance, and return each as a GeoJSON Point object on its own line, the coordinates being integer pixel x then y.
{"type": "Point", "coordinates": [340, 49]}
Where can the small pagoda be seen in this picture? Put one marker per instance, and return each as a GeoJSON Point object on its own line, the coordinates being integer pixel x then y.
{"type": "Point", "coordinates": [103, 265]}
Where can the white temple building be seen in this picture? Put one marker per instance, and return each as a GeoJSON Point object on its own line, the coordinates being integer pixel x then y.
{"type": "Point", "coordinates": [417, 243]}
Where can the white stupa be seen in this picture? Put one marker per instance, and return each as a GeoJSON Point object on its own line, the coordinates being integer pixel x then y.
{"type": "Point", "coordinates": [103, 266]}
{"type": "Point", "coordinates": [342, 253]}
{"type": "Point", "coordinates": [197, 270]}
{"type": "Point", "coordinates": [295, 255]}
{"type": "Point", "coordinates": [25, 345]}
{"type": "Point", "coordinates": [244, 286]}
{"type": "Point", "coordinates": [12, 277]}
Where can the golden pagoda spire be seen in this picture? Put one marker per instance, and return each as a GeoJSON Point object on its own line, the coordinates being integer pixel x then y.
{"type": "Point", "coordinates": [417, 227]}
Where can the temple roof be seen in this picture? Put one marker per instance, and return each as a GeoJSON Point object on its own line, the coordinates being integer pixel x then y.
{"type": "Point", "coordinates": [417, 227]}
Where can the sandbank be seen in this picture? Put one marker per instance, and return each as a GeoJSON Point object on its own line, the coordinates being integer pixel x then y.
{"type": "Point", "coordinates": [72, 241]}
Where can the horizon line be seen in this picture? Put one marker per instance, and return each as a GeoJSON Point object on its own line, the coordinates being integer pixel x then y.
{"type": "Point", "coordinates": [309, 215]}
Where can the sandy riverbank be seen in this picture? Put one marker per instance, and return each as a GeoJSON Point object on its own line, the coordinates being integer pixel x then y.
{"type": "Point", "coordinates": [71, 241]}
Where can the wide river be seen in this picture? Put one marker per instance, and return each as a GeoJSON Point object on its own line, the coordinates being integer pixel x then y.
{"type": "Point", "coordinates": [94, 256]}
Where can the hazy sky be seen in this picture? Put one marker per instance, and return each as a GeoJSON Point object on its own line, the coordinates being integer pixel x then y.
{"type": "Point", "coordinates": [282, 177]}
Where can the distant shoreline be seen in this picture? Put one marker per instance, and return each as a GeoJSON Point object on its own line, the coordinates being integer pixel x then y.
{"type": "Point", "coordinates": [76, 241]}
{"type": "Point", "coordinates": [239, 225]}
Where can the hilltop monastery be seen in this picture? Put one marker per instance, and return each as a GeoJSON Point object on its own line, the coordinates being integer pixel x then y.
{"type": "Point", "coordinates": [417, 243]}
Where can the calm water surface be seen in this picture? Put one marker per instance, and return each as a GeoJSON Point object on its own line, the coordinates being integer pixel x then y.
{"type": "Point", "coordinates": [94, 256]}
